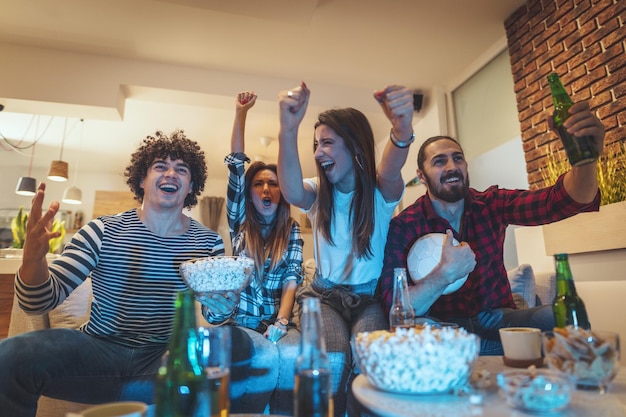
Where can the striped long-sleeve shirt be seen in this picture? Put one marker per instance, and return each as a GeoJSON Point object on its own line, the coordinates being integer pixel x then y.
{"type": "Point", "coordinates": [134, 273]}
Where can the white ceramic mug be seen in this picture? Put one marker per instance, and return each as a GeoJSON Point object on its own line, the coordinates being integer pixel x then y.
{"type": "Point", "coordinates": [522, 346]}
{"type": "Point", "coordinates": [116, 409]}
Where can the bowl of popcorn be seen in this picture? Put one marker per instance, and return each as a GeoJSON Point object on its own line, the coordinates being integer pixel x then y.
{"type": "Point", "coordinates": [217, 274]}
{"type": "Point", "coordinates": [536, 390]}
{"type": "Point", "coordinates": [590, 357]}
{"type": "Point", "coordinates": [417, 360]}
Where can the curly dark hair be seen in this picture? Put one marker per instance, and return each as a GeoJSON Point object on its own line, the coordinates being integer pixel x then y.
{"type": "Point", "coordinates": [178, 146]}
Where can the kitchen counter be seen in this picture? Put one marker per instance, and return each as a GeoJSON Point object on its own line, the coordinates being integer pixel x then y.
{"type": "Point", "coordinates": [8, 267]}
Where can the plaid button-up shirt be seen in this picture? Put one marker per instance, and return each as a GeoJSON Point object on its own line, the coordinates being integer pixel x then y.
{"type": "Point", "coordinates": [486, 217]}
{"type": "Point", "coordinates": [261, 299]}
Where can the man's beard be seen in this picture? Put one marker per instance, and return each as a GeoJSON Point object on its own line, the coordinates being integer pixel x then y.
{"type": "Point", "coordinates": [449, 195]}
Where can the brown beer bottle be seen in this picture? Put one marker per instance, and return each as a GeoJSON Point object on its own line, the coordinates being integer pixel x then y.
{"type": "Point", "coordinates": [568, 307]}
{"type": "Point", "coordinates": [313, 387]}
{"type": "Point", "coordinates": [580, 150]}
{"type": "Point", "coordinates": [181, 384]}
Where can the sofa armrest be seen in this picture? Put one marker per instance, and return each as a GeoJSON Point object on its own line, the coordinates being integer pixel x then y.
{"type": "Point", "coordinates": [23, 323]}
{"type": "Point", "coordinates": [72, 313]}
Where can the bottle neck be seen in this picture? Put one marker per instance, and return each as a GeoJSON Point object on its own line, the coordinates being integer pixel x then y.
{"type": "Point", "coordinates": [564, 279]}
{"type": "Point", "coordinates": [400, 288]}
{"type": "Point", "coordinates": [312, 345]}
{"type": "Point", "coordinates": [560, 97]}
{"type": "Point", "coordinates": [183, 344]}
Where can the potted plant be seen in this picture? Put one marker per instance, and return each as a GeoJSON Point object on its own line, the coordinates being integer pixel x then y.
{"type": "Point", "coordinates": [611, 172]}
{"type": "Point", "coordinates": [18, 228]}
{"type": "Point", "coordinates": [595, 231]}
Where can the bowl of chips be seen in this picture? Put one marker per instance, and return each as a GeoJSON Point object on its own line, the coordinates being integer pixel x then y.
{"type": "Point", "coordinates": [536, 390]}
{"type": "Point", "coordinates": [217, 274]}
{"type": "Point", "coordinates": [590, 357]}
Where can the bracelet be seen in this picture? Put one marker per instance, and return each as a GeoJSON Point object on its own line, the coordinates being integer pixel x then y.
{"type": "Point", "coordinates": [283, 321]}
{"type": "Point", "coordinates": [400, 143]}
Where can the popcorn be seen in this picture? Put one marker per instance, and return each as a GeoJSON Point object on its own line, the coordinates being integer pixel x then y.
{"type": "Point", "coordinates": [217, 273]}
{"type": "Point", "coordinates": [417, 360]}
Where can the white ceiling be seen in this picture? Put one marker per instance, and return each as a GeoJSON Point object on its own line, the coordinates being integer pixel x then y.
{"type": "Point", "coordinates": [343, 49]}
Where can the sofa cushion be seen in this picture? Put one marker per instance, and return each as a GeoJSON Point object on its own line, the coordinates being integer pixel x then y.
{"type": "Point", "coordinates": [523, 286]}
{"type": "Point", "coordinates": [546, 287]}
{"type": "Point", "coordinates": [74, 311]}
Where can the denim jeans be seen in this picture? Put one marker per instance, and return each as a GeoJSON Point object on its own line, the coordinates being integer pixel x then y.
{"type": "Point", "coordinates": [272, 375]}
{"type": "Point", "coordinates": [73, 366]}
{"type": "Point", "coordinates": [70, 365]}
{"type": "Point", "coordinates": [346, 311]}
{"type": "Point", "coordinates": [487, 324]}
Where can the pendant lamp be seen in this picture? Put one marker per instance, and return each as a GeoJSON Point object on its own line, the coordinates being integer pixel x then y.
{"type": "Point", "coordinates": [59, 169]}
{"type": "Point", "coordinates": [27, 186]}
{"type": "Point", "coordinates": [73, 194]}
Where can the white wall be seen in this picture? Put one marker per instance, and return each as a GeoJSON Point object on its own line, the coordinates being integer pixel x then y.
{"type": "Point", "coordinates": [599, 276]}
{"type": "Point", "coordinates": [504, 166]}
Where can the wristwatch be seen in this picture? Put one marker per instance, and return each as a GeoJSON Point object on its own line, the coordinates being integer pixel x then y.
{"type": "Point", "coordinates": [283, 321]}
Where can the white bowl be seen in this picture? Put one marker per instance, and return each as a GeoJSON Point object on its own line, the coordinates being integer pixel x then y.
{"type": "Point", "coordinates": [424, 256]}
{"type": "Point", "coordinates": [217, 274]}
{"type": "Point", "coordinates": [417, 360]}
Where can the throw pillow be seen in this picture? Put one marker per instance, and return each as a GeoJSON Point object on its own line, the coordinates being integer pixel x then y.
{"type": "Point", "coordinates": [522, 280]}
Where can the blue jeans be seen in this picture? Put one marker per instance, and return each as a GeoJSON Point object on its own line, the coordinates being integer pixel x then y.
{"type": "Point", "coordinates": [487, 323]}
{"type": "Point", "coordinates": [70, 365]}
{"type": "Point", "coordinates": [346, 311]}
{"type": "Point", "coordinates": [272, 375]}
{"type": "Point", "coordinates": [73, 366]}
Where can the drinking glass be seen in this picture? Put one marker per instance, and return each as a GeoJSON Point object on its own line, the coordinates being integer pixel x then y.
{"type": "Point", "coordinates": [214, 355]}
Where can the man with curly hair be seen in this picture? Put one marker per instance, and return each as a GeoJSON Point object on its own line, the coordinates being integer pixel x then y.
{"type": "Point", "coordinates": [132, 259]}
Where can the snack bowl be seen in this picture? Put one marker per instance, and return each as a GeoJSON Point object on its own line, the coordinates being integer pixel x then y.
{"type": "Point", "coordinates": [590, 357]}
{"type": "Point", "coordinates": [217, 274]}
{"type": "Point", "coordinates": [536, 390]}
{"type": "Point", "coordinates": [417, 360]}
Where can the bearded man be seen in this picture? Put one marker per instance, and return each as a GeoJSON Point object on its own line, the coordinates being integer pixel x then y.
{"type": "Point", "coordinates": [478, 220]}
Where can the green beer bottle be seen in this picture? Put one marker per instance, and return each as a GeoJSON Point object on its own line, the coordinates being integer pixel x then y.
{"type": "Point", "coordinates": [580, 150]}
{"type": "Point", "coordinates": [181, 383]}
{"type": "Point", "coordinates": [568, 307]}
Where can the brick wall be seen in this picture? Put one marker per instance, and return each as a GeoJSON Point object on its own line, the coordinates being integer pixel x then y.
{"type": "Point", "coordinates": [584, 42]}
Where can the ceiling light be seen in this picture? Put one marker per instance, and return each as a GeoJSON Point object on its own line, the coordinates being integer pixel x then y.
{"type": "Point", "coordinates": [59, 169]}
{"type": "Point", "coordinates": [28, 185]}
{"type": "Point", "coordinates": [73, 195]}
